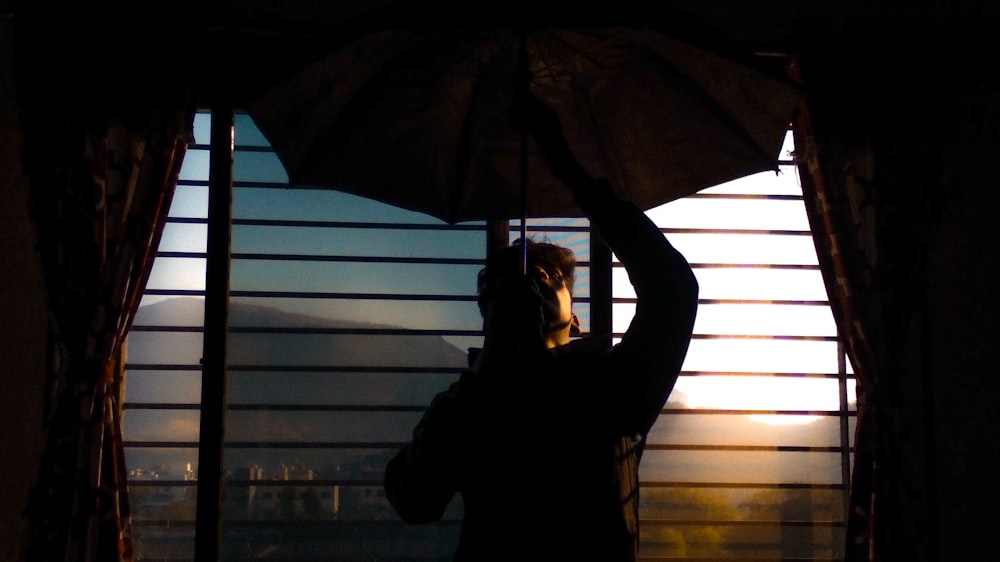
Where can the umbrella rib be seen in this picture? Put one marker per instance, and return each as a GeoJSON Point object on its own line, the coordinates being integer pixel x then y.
{"type": "Point", "coordinates": [549, 68]}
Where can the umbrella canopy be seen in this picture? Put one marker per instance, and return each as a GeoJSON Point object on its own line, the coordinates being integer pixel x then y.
{"type": "Point", "coordinates": [422, 118]}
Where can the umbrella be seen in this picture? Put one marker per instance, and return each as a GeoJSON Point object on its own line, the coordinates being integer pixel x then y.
{"type": "Point", "coordinates": [421, 117]}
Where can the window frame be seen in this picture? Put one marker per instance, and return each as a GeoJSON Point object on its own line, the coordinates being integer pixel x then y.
{"type": "Point", "coordinates": [217, 331]}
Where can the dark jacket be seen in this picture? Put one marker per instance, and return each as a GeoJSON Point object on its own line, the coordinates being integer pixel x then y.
{"type": "Point", "coordinates": [545, 450]}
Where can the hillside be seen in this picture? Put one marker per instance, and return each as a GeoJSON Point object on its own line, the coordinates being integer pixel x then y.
{"type": "Point", "coordinates": [271, 371]}
{"type": "Point", "coordinates": [313, 349]}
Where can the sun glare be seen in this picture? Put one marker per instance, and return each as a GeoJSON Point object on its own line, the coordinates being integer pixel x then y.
{"type": "Point", "coordinates": [768, 395]}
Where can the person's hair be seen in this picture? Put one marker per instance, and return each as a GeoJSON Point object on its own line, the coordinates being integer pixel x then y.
{"type": "Point", "coordinates": [508, 261]}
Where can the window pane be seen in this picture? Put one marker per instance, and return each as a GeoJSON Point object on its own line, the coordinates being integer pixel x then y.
{"type": "Point", "coordinates": [763, 183]}
{"type": "Point", "coordinates": [180, 237]}
{"type": "Point", "coordinates": [367, 388]}
{"type": "Point", "coordinates": [190, 201]}
{"type": "Point", "coordinates": [195, 165]}
{"type": "Point", "coordinates": [344, 428]}
{"type": "Point", "coordinates": [751, 319]}
{"type": "Point", "coordinates": [735, 467]}
{"type": "Point", "coordinates": [257, 167]}
{"type": "Point", "coordinates": [733, 214]}
{"type": "Point", "coordinates": [699, 522]}
{"type": "Point", "coordinates": [162, 500]}
{"type": "Point", "coordinates": [343, 350]}
{"type": "Point", "coordinates": [740, 430]}
{"type": "Point", "coordinates": [177, 273]}
{"type": "Point", "coordinates": [761, 541]}
{"type": "Point", "coordinates": [746, 248]}
{"type": "Point", "coordinates": [755, 393]}
{"type": "Point", "coordinates": [353, 277]}
{"type": "Point", "coordinates": [744, 283]}
{"type": "Point", "coordinates": [359, 242]}
{"type": "Point", "coordinates": [761, 356]}
{"type": "Point", "coordinates": [161, 463]}
{"type": "Point", "coordinates": [429, 314]}
{"type": "Point", "coordinates": [763, 284]}
{"type": "Point", "coordinates": [188, 312]}
{"type": "Point", "coordinates": [162, 425]}
{"type": "Point", "coordinates": [765, 319]}
{"type": "Point", "coordinates": [543, 230]}
{"type": "Point", "coordinates": [202, 128]}
{"type": "Point", "coordinates": [165, 387]}
{"type": "Point", "coordinates": [164, 348]}
{"type": "Point", "coordinates": [319, 205]}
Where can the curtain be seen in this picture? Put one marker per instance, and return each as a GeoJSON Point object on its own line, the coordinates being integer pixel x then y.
{"type": "Point", "coordinates": [839, 217]}
{"type": "Point", "coordinates": [100, 186]}
{"type": "Point", "coordinates": [868, 182]}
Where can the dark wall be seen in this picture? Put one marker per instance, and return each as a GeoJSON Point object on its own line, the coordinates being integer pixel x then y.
{"type": "Point", "coordinates": [22, 323]}
{"type": "Point", "coordinates": [963, 355]}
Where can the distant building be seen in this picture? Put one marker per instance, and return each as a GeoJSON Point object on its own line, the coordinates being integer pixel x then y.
{"type": "Point", "coordinates": [267, 497]}
{"type": "Point", "coordinates": [160, 499]}
{"type": "Point", "coordinates": [371, 497]}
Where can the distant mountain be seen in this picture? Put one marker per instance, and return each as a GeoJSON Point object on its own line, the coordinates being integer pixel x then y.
{"type": "Point", "coordinates": [268, 348]}
{"type": "Point", "coordinates": [189, 311]}
{"type": "Point", "coordinates": [250, 381]}
{"type": "Point", "coordinates": [180, 311]}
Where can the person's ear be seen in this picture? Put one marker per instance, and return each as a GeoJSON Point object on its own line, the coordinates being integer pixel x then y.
{"type": "Point", "coordinates": [574, 326]}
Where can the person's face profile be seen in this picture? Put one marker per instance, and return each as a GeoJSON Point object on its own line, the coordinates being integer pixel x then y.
{"type": "Point", "coordinates": [557, 298]}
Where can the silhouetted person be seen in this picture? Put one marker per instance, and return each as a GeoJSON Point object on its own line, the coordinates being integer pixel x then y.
{"type": "Point", "coordinates": [542, 435]}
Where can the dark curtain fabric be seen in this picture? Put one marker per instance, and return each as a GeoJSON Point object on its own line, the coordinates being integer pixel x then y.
{"type": "Point", "coordinates": [839, 218]}
{"type": "Point", "coordinates": [869, 182]}
{"type": "Point", "coordinates": [100, 188]}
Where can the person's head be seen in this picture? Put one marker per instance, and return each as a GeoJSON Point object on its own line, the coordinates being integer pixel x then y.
{"type": "Point", "coordinates": [549, 267]}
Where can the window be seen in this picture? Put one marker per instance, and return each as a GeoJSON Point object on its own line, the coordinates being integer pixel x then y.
{"type": "Point", "coordinates": [347, 316]}
{"type": "Point", "coordinates": [751, 456]}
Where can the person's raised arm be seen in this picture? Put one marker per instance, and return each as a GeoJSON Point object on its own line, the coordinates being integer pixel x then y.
{"type": "Point", "coordinates": [655, 344]}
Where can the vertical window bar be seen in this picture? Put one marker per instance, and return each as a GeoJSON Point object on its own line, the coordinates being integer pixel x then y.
{"type": "Point", "coordinates": [213, 393]}
{"type": "Point", "coordinates": [497, 235]}
{"type": "Point", "coordinates": [600, 287]}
